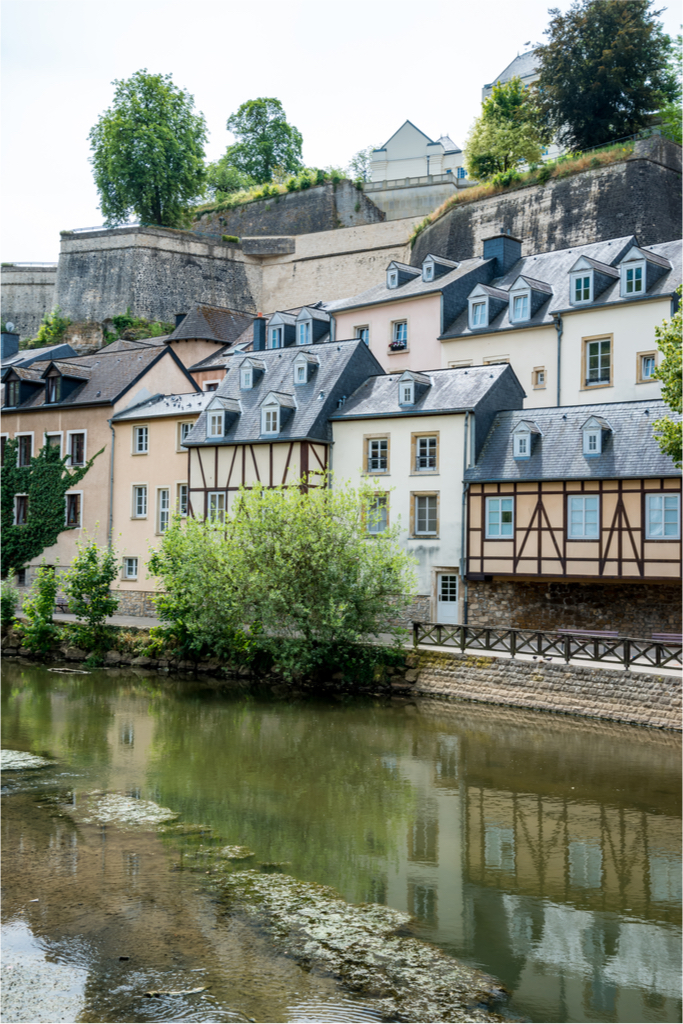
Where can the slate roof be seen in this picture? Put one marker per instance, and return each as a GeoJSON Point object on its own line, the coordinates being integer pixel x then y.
{"type": "Point", "coordinates": [26, 356]}
{"type": "Point", "coordinates": [159, 406]}
{"type": "Point", "coordinates": [553, 269]}
{"type": "Point", "coordinates": [124, 345]}
{"type": "Point", "coordinates": [212, 323]}
{"type": "Point", "coordinates": [220, 359]}
{"type": "Point", "coordinates": [342, 367]}
{"type": "Point", "coordinates": [70, 368]}
{"type": "Point", "coordinates": [379, 293]}
{"type": "Point", "coordinates": [523, 65]}
{"type": "Point", "coordinates": [456, 389]}
{"type": "Point", "coordinates": [630, 450]}
{"type": "Point", "coordinates": [25, 372]}
{"type": "Point", "coordinates": [111, 374]}
{"type": "Point", "coordinates": [448, 145]}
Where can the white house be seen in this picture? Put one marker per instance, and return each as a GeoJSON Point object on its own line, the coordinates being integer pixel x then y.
{"type": "Point", "coordinates": [409, 153]}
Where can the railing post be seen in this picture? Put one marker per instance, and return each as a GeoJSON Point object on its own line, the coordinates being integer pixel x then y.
{"type": "Point", "coordinates": [463, 637]}
{"type": "Point", "coordinates": [513, 643]}
{"type": "Point", "coordinates": [627, 653]}
{"type": "Point", "coordinates": [416, 633]}
{"type": "Point", "coordinates": [567, 648]}
{"type": "Point", "coordinates": [439, 634]}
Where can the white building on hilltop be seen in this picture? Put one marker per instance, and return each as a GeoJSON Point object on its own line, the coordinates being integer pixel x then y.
{"type": "Point", "coordinates": [409, 153]}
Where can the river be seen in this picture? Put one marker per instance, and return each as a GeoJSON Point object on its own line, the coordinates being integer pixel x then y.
{"type": "Point", "coordinates": [543, 849]}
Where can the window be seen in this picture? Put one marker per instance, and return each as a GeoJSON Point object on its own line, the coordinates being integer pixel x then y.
{"type": "Point", "coordinates": [478, 316]}
{"type": "Point", "coordinates": [378, 455]}
{"type": "Point", "coordinates": [522, 446]}
{"type": "Point", "coordinates": [428, 272]}
{"type": "Point", "coordinates": [183, 432]}
{"type": "Point", "coordinates": [583, 517]}
{"type": "Point", "coordinates": [663, 517]}
{"type": "Point", "coordinates": [211, 385]}
{"type": "Point", "coordinates": [130, 568]}
{"type": "Point", "coordinates": [364, 334]}
{"type": "Point", "coordinates": [425, 515]}
{"type": "Point", "coordinates": [592, 442]}
{"type": "Point", "coordinates": [300, 375]}
{"type": "Point", "coordinates": [217, 506]}
{"type": "Point", "coordinates": [270, 420]}
{"type": "Point", "coordinates": [499, 518]}
{"type": "Point", "coordinates": [538, 377]}
{"type": "Point", "coordinates": [25, 449]}
{"type": "Point", "coordinates": [182, 499]}
{"type": "Point", "coordinates": [73, 510]}
{"type": "Point", "coordinates": [12, 392]}
{"type": "Point", "coordinates": [392, 279]}
{"type": "Point", "coordinates": [632, 279]}
{"type": "Point", "coordinates": [399, 334]}
{"type": "Point", "coordinates": [77, 449]}
{"type": "Point", "coordinates": [520, 307]}
{"type": "Point", "coordinates": [140, 440]}
{"type": "Point", "coordinates": [581, 288]}
{"type": "Point", "coordinates": [246, 378]}
{"type": "Point", "coordinates": [164, 508]}
{"type": "Point", "coordinates": [3, 445]}
{"type": "Point", "coordinates": [378, 514]}
{"type": "Point", "coordinates": [21, 510]}
{"type": "Point", "coordinates": [54, 389]}
{"type": "Point", "coordinates": [407, 393]}
{"type": "Point", "coordinates": [276, 337]}
{"type": "Point", "coordinates": [598, 359]}
{"type": "Point", "coordinates": [215, 424]}
{"type": "Point", "coordinates": [54, 441]}
{"type": "Point", "coordinates": [21, 578]}
{"type": "Point", "coordinates": [426, 454]}
{"type": "Point", "coordinates": [647, 364]}
{"type": "Point", "coordinates": [304, 333]}
{"type": "Point", "coordinates": [140, 501]}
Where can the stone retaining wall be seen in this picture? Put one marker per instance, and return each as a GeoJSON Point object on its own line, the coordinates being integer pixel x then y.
{"type": "Point", "coordinates": [136, 602]}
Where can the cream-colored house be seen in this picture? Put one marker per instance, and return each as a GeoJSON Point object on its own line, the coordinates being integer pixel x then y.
{"type": "Point", "coordinates": [409, 153]}
{"type": "Point", "coordinates": [413, 435]}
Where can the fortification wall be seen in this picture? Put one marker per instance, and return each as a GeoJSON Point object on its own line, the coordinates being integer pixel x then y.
{"type": "Point", "coordinates": [322, 208]}
{"type": "Point", "coordinates": [641, 196]}
{"type": "Point", "coordinates": [28, 292]}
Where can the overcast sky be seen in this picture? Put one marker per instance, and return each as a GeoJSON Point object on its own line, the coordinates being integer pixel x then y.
{"type": "Point", "coordinates": [348, 75]}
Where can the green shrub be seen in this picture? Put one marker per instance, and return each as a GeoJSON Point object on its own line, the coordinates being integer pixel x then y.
{"type": "Point", "coordinates": [38, 631]}
{"type": "Point", "coordinates": [9, 599]}
{"type": "Point", "coordinates": [231, 238]}
{"type": "Point", "coordinates": [87, 584]}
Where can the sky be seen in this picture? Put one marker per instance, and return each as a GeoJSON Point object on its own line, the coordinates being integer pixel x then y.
{"type": "Point", "coordinates": [348, 75]}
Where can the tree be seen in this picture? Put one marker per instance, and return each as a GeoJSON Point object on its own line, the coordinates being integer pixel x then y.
{"type": "Point", "coordinates": [52, 329]}
{"type": "Point", "coordinates": [508, 132]}
{"type": "Point", "coordinates": [148, 152]}
{"type": "Point", "coordinates": [223, 179]}
{"type": "Point", "coordinates": [603, 71]}
{"type": "Point", "coordinates": [667, 430]}
{"type": "Point", "coordinates": [87, 584]}
{"type": "Point", "coordinates": [359, 165]}
{"type": "Point", "coordinates": [670, 113]}
{"type": "Point", "coordinates": [38, 631]}
{"type": "Point", "coordinates": [44, 483]}
{"type": "Point", "coordinates": [265, 140]}
{"type": "Point", "coordinates": [289, 573]}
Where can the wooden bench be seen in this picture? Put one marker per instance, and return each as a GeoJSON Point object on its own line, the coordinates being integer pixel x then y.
{"type": "Point", "coordinates": [62, 605]}
{"type": "Point", "coordinates": [668, 638]}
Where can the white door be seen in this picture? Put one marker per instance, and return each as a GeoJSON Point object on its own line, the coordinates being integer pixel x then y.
{"type": "Point", "coordinates": [446, 597]}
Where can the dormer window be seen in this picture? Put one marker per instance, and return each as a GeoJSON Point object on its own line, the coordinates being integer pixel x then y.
{"type": "Point", "coordinates": [304, 333]}
{"type": "Point", "coordinates": [270, 419]}
{"type": "Point", "coordinates": [392, 279]}
{"type": "Point", "coordinates": [520, 307]}
{"type": "Point", "coordinates": [300, 373]}
{"type": "Point", "coordinates": [53, 390]}
{"type": "Point", "coordinates": [582, 288]}
{"type": "Point", "coordinates": [478, 314]}
{"type": "Point", "coordinates": [427, 271]}
{"type": "Point", "coordinates": [524, 436]}
{"type": "Point", "coordinates": [633, 279]}
{"type": "Point", "coordinates": [12, 392]}
{"type": "Point", "coordinates": [406, 393]}
{"type": "Point", "coordinates": [215, 424]}
{"type": "Point", "coordinates": [593, 431]}
{"type": "Point", "coordinates": [521, 446]}
{"type": "Point", "coordinates": [246, 378]}
{"type": "Point", "coordinates": [275, 337]}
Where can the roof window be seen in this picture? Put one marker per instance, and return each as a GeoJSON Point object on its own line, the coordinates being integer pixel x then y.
{"type": "Point", "coordinates": [594, 432]}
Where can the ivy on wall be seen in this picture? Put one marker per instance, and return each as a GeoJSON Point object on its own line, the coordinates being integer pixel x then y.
{"type": "Point", "coordinates": [45, 482]}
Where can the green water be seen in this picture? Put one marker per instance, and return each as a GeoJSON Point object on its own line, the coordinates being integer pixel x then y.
{"type": "Point", "coordinates": [544, 849]}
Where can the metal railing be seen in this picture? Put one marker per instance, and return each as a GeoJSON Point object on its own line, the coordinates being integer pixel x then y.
{"type": "Point", "coordinates": [622, 650]}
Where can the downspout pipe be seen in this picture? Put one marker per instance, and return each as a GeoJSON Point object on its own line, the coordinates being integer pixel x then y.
{"type": "Point", "coordinates": [559, 327]}
{"type": "Point", "coordinates": [111, 483]}
{"type": "Point", "coordinates": [463, 517]}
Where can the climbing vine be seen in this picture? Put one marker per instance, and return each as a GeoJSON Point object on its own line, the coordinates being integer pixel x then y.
{"type": "Point", "coordinates": [45, 482]}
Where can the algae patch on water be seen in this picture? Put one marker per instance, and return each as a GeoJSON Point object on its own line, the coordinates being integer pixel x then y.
{"type": "Point", "coordinates": [124, 811]}
{"type": "Point", "coordinates": [366, 946]}
{"type": "Point", "coordinates": [17, 760]}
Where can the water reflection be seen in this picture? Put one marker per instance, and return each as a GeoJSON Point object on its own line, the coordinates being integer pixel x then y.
{"type": "Point", "coordinates": [546, 850]}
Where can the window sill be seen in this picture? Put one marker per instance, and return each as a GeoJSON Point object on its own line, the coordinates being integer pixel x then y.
{"type": "Point", "coordinates": [424, 536]}
{"type": "Point", "coordinates": [397, 351]}
{"type": "Point", "coordinates": [585, 540]}
{"type": "Point", "coordinates": [506, 540]}
{"type": "Point", "coordinates": [596, 387]}
{"type": "Point", "coordinates": [140, 453]}
{"type": "Point", "coordinates": [538, 387]}
{"type": "Point", "coordinates": [425, 472]}
{"type": "Point", "coordinates": [138, 518]}
{"type": "Point", "coordinates": [650, 380]}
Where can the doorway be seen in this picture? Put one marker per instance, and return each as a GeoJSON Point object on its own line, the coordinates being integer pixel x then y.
{"type": "Point", "coordinates": [447, 597]}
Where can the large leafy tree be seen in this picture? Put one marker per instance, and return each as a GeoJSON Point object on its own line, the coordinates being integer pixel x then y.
{"type": "Point", "coordinates": [603, 71]}
{"type": "Point", "coordinates": [148, 152]}
{"type": "Point", "coordinates": [668, 430]}
{"type": "Point", "coordinates": [265, 140]}
{"type": "Point", "coordinates": [507, 133]}
{"type": "Point", "coordinates": [45, 481]}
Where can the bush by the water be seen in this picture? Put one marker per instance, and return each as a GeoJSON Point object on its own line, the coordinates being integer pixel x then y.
{"type": "Point", "coordinates": [291, 575]}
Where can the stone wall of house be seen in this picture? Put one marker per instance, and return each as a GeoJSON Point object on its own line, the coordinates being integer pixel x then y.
{"type": "Point", "coordinates": [640, 195]}
{"type": "Point", "coordinates": [596, 692]}
{"type": "Point", "coordinates": [633, 609]}
{"type": "Point", "coordinates": [136, 602]}
{"type": "Point", "coordinates": [322, 208]}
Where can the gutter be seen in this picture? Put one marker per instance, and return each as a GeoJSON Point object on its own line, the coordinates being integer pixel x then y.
{"type": "Point", "coordinates": [111, 484]}
{"type": "Point", "coordinates": [559, 327]}
{"type": "Point", "coordinates": [463, 516]}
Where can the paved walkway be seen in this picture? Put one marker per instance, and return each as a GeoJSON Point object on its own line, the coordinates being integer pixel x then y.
{"type": "Point", "coordinates": [141, 621]}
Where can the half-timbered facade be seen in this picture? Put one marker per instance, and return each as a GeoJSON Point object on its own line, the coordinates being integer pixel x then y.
{"type": "Point", "coordinates": [268, 422]}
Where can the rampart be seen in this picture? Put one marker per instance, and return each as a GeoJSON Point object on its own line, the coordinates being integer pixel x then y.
{"type": "Point", "coordinates": [28, 292]}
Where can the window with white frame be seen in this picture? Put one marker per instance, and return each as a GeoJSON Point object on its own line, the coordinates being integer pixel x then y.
{"type": "Point", "coordinates": [592, 441]}
{"type": "Point", "coordinates": [582, 288]}
{"type": "Point", "coordinates": [583, 516]}
{"type": "Point", "coordinates": [399, 334]}
{"type": "Point", "coordinates": [520, 307]}
{"type": "Point", "coordinates": [425, 454]}
{"type": "Point", "coordinates": [378, 455]}
{"type": "Point", "coordinates": [140, 501]}
{"type": "Point", "coordinates": [21, 510]}
{"type": "Point", "coordinates": [598, 362]}
{"type": "Point", "coordinates": [53, 389]}
{"type": "Point", "coordinates": [648, 365]}
{"type": "Point", "coordinates": [246, 378]}
{"type": "Point", "coordinates": [500, 518]}
{"type": "Point", "coordinates": [377, 518]}
{"type": "Point", "coordinates": [663, 516]}
{"type": "Point", "coordinates": [164, 507]}
{"type": "Point", "coordinates": [478, 317]}
{"type": "Point", "coordinates": [54, 441]}
{"type": "Point", "coordinates": [76, 448]}
{"type": "Point", "coordinates": [538, 377]}
{"type": "Point", "coordinates": [425, 514]}
{"type": "Point", "coordinates": [392, 279]}
{"type": "Point", "coordinates": [211, 385]}
{"type": "Point", "coordinates": [73, 509]}
{"type": "Point", "coordinates": [215, 424]}
{"type": "Point", "coordinates": [184, 430]}
{"type": "Point", "coordinates": [304, 332]}
{"type": "Point", "coordinates": [12, 392]}
{"type": "Point", "coordinates": [182, 499]}
{"type": "Point", "coordinates": [140, 440]}
{"type": "Point", "coordinates": [428, 272]}
{"type": "Point", "coordinates": [300, 373]}
{"type": "Point", "coordinates": [407, 392]}
{"type": "Point", "coordinates": [216, 509]}
{"type": "Point", "coordinates": [633, 279]}
{"type": "Point", "coordinates": [364, 334]}
{"type": "Point", "coordinates": [275, 334]}
{"type": "Point", "coordinates": [130, 568]}
{"type": "Point", "coordinates": [521, 445]}
{"type": "Point", "coordinates": [25, 449]}
{"type": "Point", "coordinates": [270, 419]}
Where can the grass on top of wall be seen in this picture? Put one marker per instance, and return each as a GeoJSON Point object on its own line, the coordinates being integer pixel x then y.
{"type": "Point", "coordinates": [510, 181]}
{"type": "Point", "coordinates": [308, 178]}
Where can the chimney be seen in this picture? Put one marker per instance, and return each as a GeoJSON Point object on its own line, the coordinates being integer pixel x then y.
{"type": "Point", "coordinates": [10, 344]}
{"type": "Point", "coordinates": [504, 249]}
{"type": "Point", "coordinates": [259, 333]}
{"type": "Point", "coordinates": [179, 317]}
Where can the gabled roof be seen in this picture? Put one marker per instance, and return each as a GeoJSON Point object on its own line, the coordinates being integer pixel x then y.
{"type": "Point", "coordinates": [124, 345]}
{"type": "Point", "coordinates": [380, 148]}
{"type": "Point", "coordinates": [379, 293]}
{"type": "Point", "coordinates": [602, 268]}
{"type": "Point", "coordinates": [536, 286]}
{"type": "Point", "coordinates": [26, 356]}
{"type": "Point", "coordinates": [448, 145]}
{"type": "Point", "coordinates": [68, 368]}
{"type": "Point", "coordinates": [160, 406]}
{"type": "Point", "coordinates": [523, 65]}
{"type": "Point", "coordinates": [22, 373]}
{"type": "Point", "coordinates": [632, 450]}
{"type": "Point", "coordinates": [212, 323]}
{"type": "Point", "coordinates": [314, 312]}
